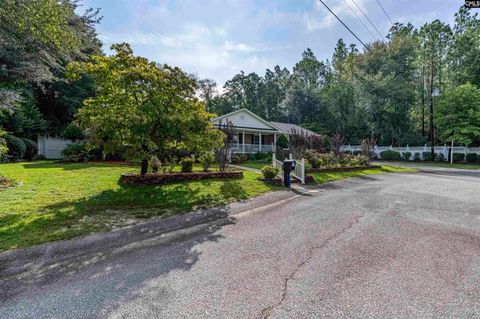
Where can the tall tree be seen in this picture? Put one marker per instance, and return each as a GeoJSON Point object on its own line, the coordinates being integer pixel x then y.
{"type": "Point", "coordinates": [143, 107]}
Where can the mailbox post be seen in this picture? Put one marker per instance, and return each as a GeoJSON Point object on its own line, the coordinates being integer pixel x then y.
{"type": "Point", "coordinates": [288, 167]}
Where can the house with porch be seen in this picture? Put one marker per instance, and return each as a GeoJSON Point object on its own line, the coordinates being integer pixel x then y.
{"type": "Point", "coordinates": [254, 134]}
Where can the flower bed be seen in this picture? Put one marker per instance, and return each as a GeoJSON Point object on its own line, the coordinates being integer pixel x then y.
{"type": "Point", "coordinates": [340, 169]}
{"type": "Point", "coordinates": [164, 178]}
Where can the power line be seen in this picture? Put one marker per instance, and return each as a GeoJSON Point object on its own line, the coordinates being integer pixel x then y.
{"type": "Point", "coordinates": [344, 25]}
{"type": "Point", "coordinates": [385, 12]}
{"type": "Point", "coordinates": [370, 21]}
{"type": "Point", "coordinates": [358, 17]}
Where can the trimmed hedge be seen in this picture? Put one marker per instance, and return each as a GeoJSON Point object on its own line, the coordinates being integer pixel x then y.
{"type": "Point", "coordinates": [406, 156]}
{"type": "Point", "coordinates": [472, 158]}
{"type": "Point", "coordinates": [31, 149]}
{"type": "Point", "coordinates": [427, 156]}
{"type": "Point", "coordinates": [390, 155]}
{"type": "Point", "coordinates": [458, 157]}
{"type": "Point", "coordinates": [16, 147]}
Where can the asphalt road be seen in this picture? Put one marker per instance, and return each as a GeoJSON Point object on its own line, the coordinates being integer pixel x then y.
{"type": "Point", "coordinates": [384, 246]}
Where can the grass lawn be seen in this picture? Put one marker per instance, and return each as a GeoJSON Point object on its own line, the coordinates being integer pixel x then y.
{"type": "Point", "coordinates": [256, 164]}
{"type": "Point", "coordinates": [328, 177]}
{"type": "Point", "coordinates": [60, 201]}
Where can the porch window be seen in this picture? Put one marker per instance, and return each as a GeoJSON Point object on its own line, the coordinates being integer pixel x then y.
{"type": "Point", "coordinates": [256, 140]}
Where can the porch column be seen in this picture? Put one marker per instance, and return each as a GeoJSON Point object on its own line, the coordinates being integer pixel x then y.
{"type": "Point", "coordinates": [274, 142]}
{"type": "Point", "coordinates": [243, 142]}
{"type": "Point", "coordinates": [260, 141]}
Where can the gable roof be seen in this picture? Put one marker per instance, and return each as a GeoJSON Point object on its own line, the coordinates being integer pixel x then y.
{"type": "Point", "coordinates": [253, 122]}
{"type": "Point", "coordinates": [288, 128]}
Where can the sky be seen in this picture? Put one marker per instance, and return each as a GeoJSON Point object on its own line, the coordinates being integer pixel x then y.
{"type": "Point", "coordinates": [217, 39]}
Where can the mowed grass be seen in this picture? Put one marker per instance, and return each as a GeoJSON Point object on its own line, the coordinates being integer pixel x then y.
{"type": "Point", "coordinates": [61, 201]}
{"type": "Point", "coordinates": [329, 177]}
{"type": "Point", "coordinates": [255, 164]}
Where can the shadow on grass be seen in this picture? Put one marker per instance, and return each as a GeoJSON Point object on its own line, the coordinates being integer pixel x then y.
{"type": "Point", "coordinates": [113, 208]}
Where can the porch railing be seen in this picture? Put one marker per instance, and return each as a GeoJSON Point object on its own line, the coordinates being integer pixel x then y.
{"type": "Point", "coordinates": [252, 148]}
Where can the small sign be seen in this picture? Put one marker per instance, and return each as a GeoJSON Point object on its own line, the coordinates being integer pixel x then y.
{"type": "Point", "coordinates": [472, 3]}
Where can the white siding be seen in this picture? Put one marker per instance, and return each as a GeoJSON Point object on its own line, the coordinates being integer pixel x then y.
{"type": "Point", "coordinates": [244, 119]}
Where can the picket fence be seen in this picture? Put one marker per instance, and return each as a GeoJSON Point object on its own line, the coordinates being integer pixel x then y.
{"type": "Point", "coordinates": [444, 149]}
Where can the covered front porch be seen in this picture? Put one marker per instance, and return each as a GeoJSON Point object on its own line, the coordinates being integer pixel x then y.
{"type": "Point", "coordinates": [253, 142]}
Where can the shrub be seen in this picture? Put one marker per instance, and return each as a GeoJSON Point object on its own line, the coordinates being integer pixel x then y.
{"type": "Point", "coordinates": [363, 160]}
{"type": "Point", "coordinates": [308, 166]}
{"type": "Point", "coordinates": [427, 156]}
{"type": "Point", "coordinates": [282, 141]}
{"type": "Point", "coordinates": [80, 152]}
{"type": "Point", "coordinates": [406, 156]}
{"type": "Point", "coordinates": [355, 153]}
{"type": "Point", "coordinates": [348, 152]}
{"type": "Point", "coordinates": [472, 158]}
{"type": "Point", "coordinates": [187, 164]}
{"type": "Point", "coordinates": [3, 147]}
{"type": "Point", "coordinates": [328, 160]}
{"type": "Point", "coordinates": [206, 160]}
{"type": "Point", "coordinates": [31, 149]}
{"type": "Point", "coordinates": [155, 164]}
{"type": "Point", "coordinates": [390, 155]}
{"type": "Point", "coordinates": [16, 147]}
{"type": "Point", "coordinates": [368, 147]}
{"type": "Point", "coordinates": [458, 157]}
{"type": "Point", "coordinates": [73, 132]}
{"type": "Point", "coordinates": [261, 156]}
{"type": "Point", "coordinates": [269, 171]}
{"type": "Point", "coordinates": [416, 157]}
{"type": "Point", "coordinates": [238, 159]}
{"type": "Point", "coordinates": [440, 157]}
{"type": "Point", "coordinates": [312, 157]}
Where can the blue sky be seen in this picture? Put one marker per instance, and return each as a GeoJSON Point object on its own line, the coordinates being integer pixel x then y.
{"type": "Point", "coordinates": [219, 38]}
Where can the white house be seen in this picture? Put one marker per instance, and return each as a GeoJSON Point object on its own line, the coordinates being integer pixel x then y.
{"type": "Point", "coordinates": [254, 134]}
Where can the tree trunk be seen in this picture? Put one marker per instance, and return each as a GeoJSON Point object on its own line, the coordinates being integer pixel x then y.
{"type": "Point", "coordinates": [144, 168]}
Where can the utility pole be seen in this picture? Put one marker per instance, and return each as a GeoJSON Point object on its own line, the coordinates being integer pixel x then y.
{"type": "Point", "coordinates": [432, 136]}
{"type": "Point", "coordinates": [422, 78]}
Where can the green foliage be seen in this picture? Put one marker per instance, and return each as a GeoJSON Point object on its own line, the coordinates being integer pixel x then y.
{"type": "Point", "coordinates": [406, 156]}
{"type": "Point", "coordinates": [390, 155]}
{"type": "Point", "coordinates": [440, 157]}
{"type": "Point", "coordinates": [81, 152]}
{"type": "Point", "coordinates": [458, 114]}
{"type": "Point", "coordinates": [16, 147]}
{"type": "Point", "coordinates": [269, 172]}
{"type": "Point", "coordinates": [313, 158]}
{"type": "Point", "coordinates": [73, 132]}
{"type": "Point", "coordinates": [261, 156]}
{"type": "Point", "coordinates": [3, 145]}
{"type": "Point", "coordinates": [427, 156]}
{"type": "Point", "coordinates": [239, 158]}
{"type": "Point", "coordinates": [458, 157]}
{"type": "Point", "coordinates": [144, 107]}
{"type": "Point", "coordinates": [31, 149]}
{"type": "Point", "coordinates": [472, 158]}
{"type": "Point", "coordinates": [282, 141]}
{"type": "Point", "coordinates": [187, 164]}
{"type": "Point", "coordinates": [206, 160]}
{"type": "Point", "coordinates": [417, 157]}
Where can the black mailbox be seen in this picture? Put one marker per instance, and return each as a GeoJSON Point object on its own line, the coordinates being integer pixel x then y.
{"type": "Point", "coordinates": [288, 167]}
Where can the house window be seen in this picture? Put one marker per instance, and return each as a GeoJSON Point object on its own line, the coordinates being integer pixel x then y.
{"type": "Point", "coordinates": [240, 138]}
{"type": "Point", "coordinates": [256, 139]}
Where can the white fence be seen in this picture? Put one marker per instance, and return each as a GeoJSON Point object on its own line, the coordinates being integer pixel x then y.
{"type": "Point", "coordinates": [416, 149]}
{"type": "Point", "coordinates": [51, 147]}
{"type": "Point", "coordinates": [298, 172]}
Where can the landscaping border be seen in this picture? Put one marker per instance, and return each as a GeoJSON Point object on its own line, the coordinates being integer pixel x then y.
{"type": "Point", "coordinates": [340, 169]}
{"type": "Point", "coordinates": [164, 178]}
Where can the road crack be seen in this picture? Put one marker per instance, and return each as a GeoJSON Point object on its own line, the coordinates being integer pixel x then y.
{"type": "Point", "coordinates": [267, 312]}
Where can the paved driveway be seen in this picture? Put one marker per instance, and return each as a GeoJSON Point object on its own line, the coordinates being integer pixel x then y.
{"type": "Point", "coordinates": [384, 246]}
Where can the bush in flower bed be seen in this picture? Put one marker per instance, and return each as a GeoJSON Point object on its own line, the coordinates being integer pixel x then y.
{"type": "Point", "coordinates": [269, 172]}
{"type": "Point", "coordinates": [319, 161]}
{"type": "Point", "coordinates": [187, 164]}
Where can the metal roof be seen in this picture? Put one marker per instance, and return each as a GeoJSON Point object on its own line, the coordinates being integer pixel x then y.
{"type": "Point", "coordinates": [288, 128]}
